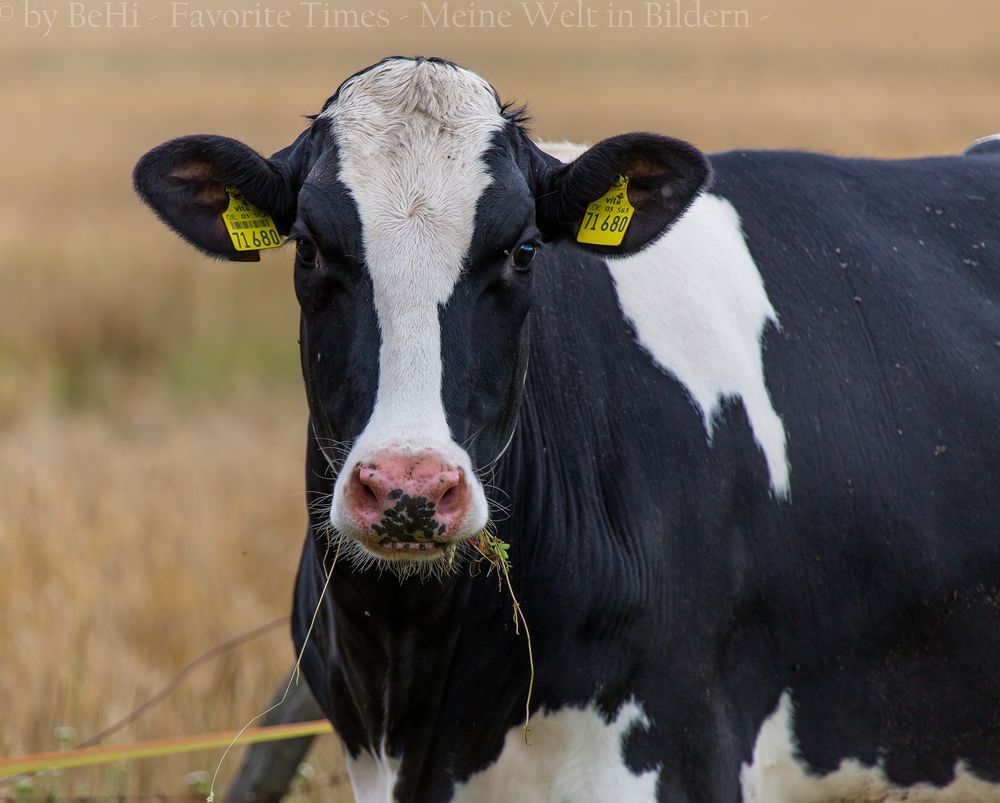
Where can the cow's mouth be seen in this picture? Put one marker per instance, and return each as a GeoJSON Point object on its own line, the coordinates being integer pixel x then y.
{"type": "Point", "coordinates": [413, 550]}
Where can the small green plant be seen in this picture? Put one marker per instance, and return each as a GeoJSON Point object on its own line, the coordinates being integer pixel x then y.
{"type": "Point", "coordinates": [199, 782]}
{"type": "Point", "coordinates": [496, 553]}
{"type": "Point", "coordinates": [24, 789]}
{"type": "Point", "coordinates": [65, 736]}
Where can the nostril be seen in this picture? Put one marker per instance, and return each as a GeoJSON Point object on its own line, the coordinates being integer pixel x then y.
{"type": "Point", "coordinates": [367, 497]}
{"type": "Point", "coordinates": [455, 495]}
{"type": "Point", "coordinates": [447, 499]}
{"type": "Point", "coordinates": [365, 490]}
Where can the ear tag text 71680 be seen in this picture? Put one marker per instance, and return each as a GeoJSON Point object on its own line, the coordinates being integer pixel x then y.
{"type": "Point", "coordinates": [250, 228]}
{"type": "Point", "coordinates": [607, 218]}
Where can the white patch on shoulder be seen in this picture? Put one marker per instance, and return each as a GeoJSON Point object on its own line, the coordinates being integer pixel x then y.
{"type": "Point", "coordinates": [372, 777]}
{"type": "Point", "coordinates": [777, 775]}
{"type": "Point", "coordinates": [411, 138]}
{"type": "Point", "coordinates": [698, 305]}
{"type": "Point", "coordinates": [574, 756]}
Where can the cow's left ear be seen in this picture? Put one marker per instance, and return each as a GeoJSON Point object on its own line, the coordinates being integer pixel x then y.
{"type": "Point", "coordinates": [186, 182]}
{"type": "Point", "coordinates": [664, 176]}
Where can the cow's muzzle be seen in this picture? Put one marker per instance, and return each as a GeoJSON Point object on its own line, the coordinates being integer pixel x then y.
{"type": "Point", "coordinates": [408, 506]}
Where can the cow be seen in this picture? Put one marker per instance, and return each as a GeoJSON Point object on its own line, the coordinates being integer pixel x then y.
{"type": "Point", "coordinates": [744, 446]}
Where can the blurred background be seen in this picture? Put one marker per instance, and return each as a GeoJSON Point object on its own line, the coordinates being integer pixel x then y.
{"type": "Point", "coordinates": [151, 416]}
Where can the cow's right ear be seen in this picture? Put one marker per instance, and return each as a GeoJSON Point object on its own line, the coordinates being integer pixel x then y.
{"type": "Point", "coordinates": [185, 181]}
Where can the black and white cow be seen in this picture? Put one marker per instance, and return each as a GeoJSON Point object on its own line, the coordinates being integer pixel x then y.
{"type": "Point", "coordinates": [748, 461]}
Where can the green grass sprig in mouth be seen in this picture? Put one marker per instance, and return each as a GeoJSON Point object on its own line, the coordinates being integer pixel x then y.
{"type": "Point", "coordinates": [496, 553]}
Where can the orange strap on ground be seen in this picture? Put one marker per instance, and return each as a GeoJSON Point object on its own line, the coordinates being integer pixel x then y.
{"type": "Point", "coordinates": [65, 759]}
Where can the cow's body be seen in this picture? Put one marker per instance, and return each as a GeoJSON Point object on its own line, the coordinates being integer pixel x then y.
{"type": "Point", "coordinates": [753, 487]}
{"type": "Point", "coordinates": [676, 598]}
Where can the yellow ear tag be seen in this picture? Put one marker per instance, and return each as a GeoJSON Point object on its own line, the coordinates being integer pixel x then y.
{"type": "Point", "coordinates": [250, 228]}
{"type": "Point", "coordinates": [608, 217]}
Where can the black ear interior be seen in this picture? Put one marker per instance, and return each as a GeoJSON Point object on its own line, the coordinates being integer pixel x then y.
{"type": "Point", "coordinates": [185, 182]}
{"type": "Point", "coordinates": [664, 176]}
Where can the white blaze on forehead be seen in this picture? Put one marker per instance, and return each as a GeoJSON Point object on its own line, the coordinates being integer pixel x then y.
{"type": "Point", "coordinates": [778, 775]}
{"type": "Point", "coordinates": [411, 137]}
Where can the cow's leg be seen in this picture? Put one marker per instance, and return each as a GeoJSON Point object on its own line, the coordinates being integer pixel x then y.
{"type": "Point", "coordinates": [269, 768]}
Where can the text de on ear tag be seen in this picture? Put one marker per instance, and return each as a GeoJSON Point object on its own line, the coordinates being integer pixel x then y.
{"type": "Point", "coordinates": [607, 218]}
{"type": "Point", "coordinates": [250, 228]}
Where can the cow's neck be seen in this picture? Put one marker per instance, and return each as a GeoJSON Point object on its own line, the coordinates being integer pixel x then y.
{"type": "Point", "coordinates": [412, 653]}
{"type": "Point", "coordinates": [575, 413]}
{"type": "Point", "coordinates": [397, 641]}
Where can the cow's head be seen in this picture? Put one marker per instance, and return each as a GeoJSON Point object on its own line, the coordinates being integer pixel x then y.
{"type": "Point", "coordinates": [419, 209]}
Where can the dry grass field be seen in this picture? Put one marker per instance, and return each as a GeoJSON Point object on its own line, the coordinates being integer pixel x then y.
{"type": "Point", "coordinates": [151, 419]}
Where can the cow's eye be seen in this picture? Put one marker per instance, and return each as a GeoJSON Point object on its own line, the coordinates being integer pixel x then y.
{"type": "Point", "coordinates": [522, 255]}
{"type": "Point", "coordinates": [305, 250]}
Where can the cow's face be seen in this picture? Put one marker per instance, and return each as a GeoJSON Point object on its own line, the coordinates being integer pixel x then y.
{"type": "Point", "coordinates": [420, 211]}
